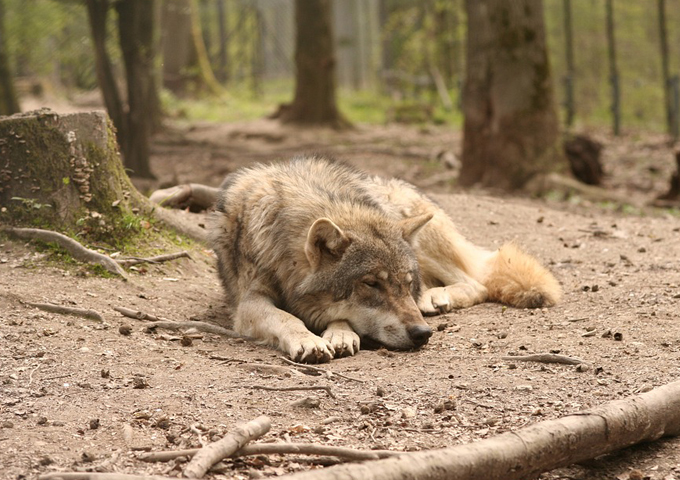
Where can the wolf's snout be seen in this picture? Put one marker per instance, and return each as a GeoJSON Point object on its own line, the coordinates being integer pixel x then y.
{"type": "Point", "coordinates": [419, 334]}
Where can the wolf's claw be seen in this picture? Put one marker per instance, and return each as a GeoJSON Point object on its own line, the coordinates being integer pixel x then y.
{"type": "Point", "coordinates": [344, 342]}
{"type": "Point", "coordinates": [312, 349]}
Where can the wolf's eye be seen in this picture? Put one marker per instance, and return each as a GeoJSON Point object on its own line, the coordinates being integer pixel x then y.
{"type": "Point", "coordinates": [371, 283]}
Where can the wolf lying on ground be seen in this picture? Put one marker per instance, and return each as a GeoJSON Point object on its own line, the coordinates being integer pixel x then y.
{"type": "Point", "coordinates": [315, 257]}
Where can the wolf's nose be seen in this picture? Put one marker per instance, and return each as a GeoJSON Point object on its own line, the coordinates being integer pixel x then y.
{"type": "Point", "coordinates": [419, 334]}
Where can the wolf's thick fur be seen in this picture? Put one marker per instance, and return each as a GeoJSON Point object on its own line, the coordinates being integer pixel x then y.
{"type": "Point", "coordinates": [315, 256]}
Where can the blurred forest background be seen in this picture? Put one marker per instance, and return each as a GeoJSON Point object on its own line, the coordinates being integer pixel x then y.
{"type": "Point", "coordinates": [614, 65]}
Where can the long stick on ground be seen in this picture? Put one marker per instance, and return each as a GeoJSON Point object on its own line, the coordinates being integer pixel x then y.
{"type": "Point", "coordinates": [99, 476]}
{"type": "Point", "coordinates": [531, 450]}
{"type": "Point", "coordinates": [158, 322]}
{"type": "Point", "coordinates": [545, 358]}
{"type": "Point", "coordinates": [212, 453]}
{"type": "Point", "coordinates": [129, 261]}
{"type": "Point", "coordinates": [279, 449]}
{"type": "Point", "coordinates": [75, 249]}
{"type": "Point", "coordinates": [78, 312]}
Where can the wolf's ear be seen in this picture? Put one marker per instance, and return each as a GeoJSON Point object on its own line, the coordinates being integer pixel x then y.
{"type": "Point", "coordinates": [325, 239]}
{"type": "Point", "coordinates": [412, 225]}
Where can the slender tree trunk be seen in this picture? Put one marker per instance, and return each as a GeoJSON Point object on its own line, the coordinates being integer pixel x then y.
{"type": "Point", "coordinates": [511, 131]}
{"type": "Point", "coordinates": [315, 96]}
{"type": "Point", "coordinates": [223, 52]}
{"type": "Point", "coordinates": [97, 14]}
{"type": "Point", "coordinates": [136, 27]}
{"type": "Point", "coordinates": [9, 103]}
{"type": "Point", "coordinates": [613, 69]}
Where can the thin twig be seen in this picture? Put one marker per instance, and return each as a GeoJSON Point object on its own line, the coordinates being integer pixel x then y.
{"type": "Point", "coordinates": [129, 261]}
{"type": "Point", "coordinates": [158, 322]}
{"type": "Point", "coordinates": [546, 358]}
{"type": "Point", "coordinates": [320, 370]}
{"type": "Point", "coordinates": [74, 248]}
{"type": "Point", "coordinates": [279, 449]}
{"type": "Point", "coordinates": [212, 453]}
{"type": "Point", "coordinates": [78, 312]}
{"type": "Point", "coordinates": [30, 377]}
{"type": "Point", "coordinates": [291, 389]}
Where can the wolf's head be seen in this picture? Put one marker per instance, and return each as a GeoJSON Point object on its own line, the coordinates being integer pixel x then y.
{"type": "Point", "coordinates": [367, 274]}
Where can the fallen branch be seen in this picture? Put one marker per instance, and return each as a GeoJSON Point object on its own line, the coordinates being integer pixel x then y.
{"type": "Point", "coordinates": [129, 261]}
{"type": "Point", "coordinates": [75, 249]}
{"type": "Point", "coordinates": [158, 322]}
{"type": "Point", "coordinates": [212, 453]}
{"type": "Point", "coordinates": [78, 312]}
{"type": "Point", "coordinates": [529, 451]}
{"type": "Point", "coordinates": [292, 389]}
{"type": "Point", "coordinates": [99, 476]}
{"type": "Point", "coordinates": [320, 370]}
{"type": "Point", "coordinates": [279, 449]}
{"type": "Point", "coordinates": [546, 358]}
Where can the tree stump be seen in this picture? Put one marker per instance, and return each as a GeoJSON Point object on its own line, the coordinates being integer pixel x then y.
{"type": "Point", "coordinates": [64, 172]}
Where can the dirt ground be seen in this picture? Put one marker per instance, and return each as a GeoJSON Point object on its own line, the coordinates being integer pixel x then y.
{"type": "Point", "coordinates": [76, 394]}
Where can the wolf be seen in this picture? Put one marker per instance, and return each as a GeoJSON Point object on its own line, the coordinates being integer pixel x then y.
{"type": "Point", "coordinates": [316, 257]}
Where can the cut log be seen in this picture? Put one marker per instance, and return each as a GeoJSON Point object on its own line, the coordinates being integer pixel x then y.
{"type": "Point", "coordinates": [527, 452]}
{"type": "Point", "coordinates": [673, 193]}
{"type": "Point", "coordinates": [583, 154]}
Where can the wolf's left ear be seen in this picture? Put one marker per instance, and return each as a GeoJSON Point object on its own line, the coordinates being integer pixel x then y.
{"type": "Point", "coordinates": [325, 240]}
{"type": "Point", "coordinates": [412, 225]}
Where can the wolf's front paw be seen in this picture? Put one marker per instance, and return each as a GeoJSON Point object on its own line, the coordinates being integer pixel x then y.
{"type": "Point", "coordinates": [440, 300]}
{"type": "Point", "coordinates": [311, 349]}
{"type": "Point", "coordinates": [344, 342]}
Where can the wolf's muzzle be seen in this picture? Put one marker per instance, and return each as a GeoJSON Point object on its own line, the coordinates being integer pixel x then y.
{"type": "Point", "coordinates": [419, 334]}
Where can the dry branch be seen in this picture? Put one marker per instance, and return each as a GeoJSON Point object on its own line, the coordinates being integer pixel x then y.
{"type": "Point", "coordinates": [78, 312]}
{"type": "Point", "coordinates": [99, 476]}
{"type": "Point", "coordinates": [279, 449]}
{"type": "Point", "coordinates": [75, 249]}
{"type": "Point", "coordinates": [158, 322]}
{"type": "Point", "coordinates": [129, 261]}
{"type": "Point", "coordinates": [212, 453]}
{"type": "Point", "coordinates": [292, 389]}
{"type": "Point", "coordinates": [529, 451]}
{"type": "Point", "coordinates": [546, 358]}
{"type": "Point", "coordinates": [320, 370]}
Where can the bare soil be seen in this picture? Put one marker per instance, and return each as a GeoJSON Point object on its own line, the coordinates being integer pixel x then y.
{"type": "Point", "coordinates": [80, 395]}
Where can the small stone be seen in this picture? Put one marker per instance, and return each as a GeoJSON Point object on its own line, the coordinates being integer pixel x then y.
{"type": "Point", "coordinates": [491, 421]}
{"type": "Point", "coordinates": [186, 341]}
{"type": "Point", "coordinates": [524, 388]}
{"type": "Point", "coordinates": [307, 402]}
{"type": "Point", "coordinates": [125, 330]}
{"type": "Point", "coordinates": [502, 335]}
{"type": "Point", "coordinates": [7, 424]}
{"type": "Point", "coordinates": [88, 457]}
{"type": "Point", "coordinates": [439, 408]}
{"type": "Point", "coordinates": [618, 336]}
{"type": "Point", "coordinates": [44, 461]}
{"type": "Point", "coordinates": [642, 249]}
{"type": "Point", "coordinates": [442, 326]}
{"type": "Point", "coordinates": [94, 424]}
{"type": "Point", "coordinates": [380, 391]}
{"type": "Point", "coordinates": [595, 288]}
{"type": "Point", "coordinates": [582, 367]}
{"type": "Point", "coordinates": [105, 373]}
{"type": "Point", "coordinates": [408, 412]}
{"type": "Point", "coordinates": [163, 423]}
{"type": "Point", "coordinates": [42, 421]}
{"type": "Point", "coordinates": [450, 404]}
{"type": "Point", "coordinates": [139, 382]}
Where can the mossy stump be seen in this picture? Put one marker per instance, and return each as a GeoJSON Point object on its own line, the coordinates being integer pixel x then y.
{"type": "Point", "coordinates": [64, 172]}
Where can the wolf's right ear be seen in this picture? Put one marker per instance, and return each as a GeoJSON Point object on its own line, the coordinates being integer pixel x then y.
{"type": "Point", "coordinates": [325, 239]}
{"type": "Point", "coordinates": [412, 225]}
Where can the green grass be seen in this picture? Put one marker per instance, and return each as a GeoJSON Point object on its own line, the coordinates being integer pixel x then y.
{"type": "Point", "coordinates": [242, 104]}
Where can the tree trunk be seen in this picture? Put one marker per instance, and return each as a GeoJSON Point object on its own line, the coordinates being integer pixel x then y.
{"type": "Point", "coordinates": [136, 30]}
{"type": "Point", "coordinates": [9, 103]}
{"type": "Point", "coordinates": [315, 97]}
{"type": "Point", "coordinates": [97, 13]}
{"type": "Point", "coordinates": [511, 131]}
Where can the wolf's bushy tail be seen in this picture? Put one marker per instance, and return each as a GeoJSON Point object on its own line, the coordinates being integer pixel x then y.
{"type": "Point", "coordinates": [517, 279]}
